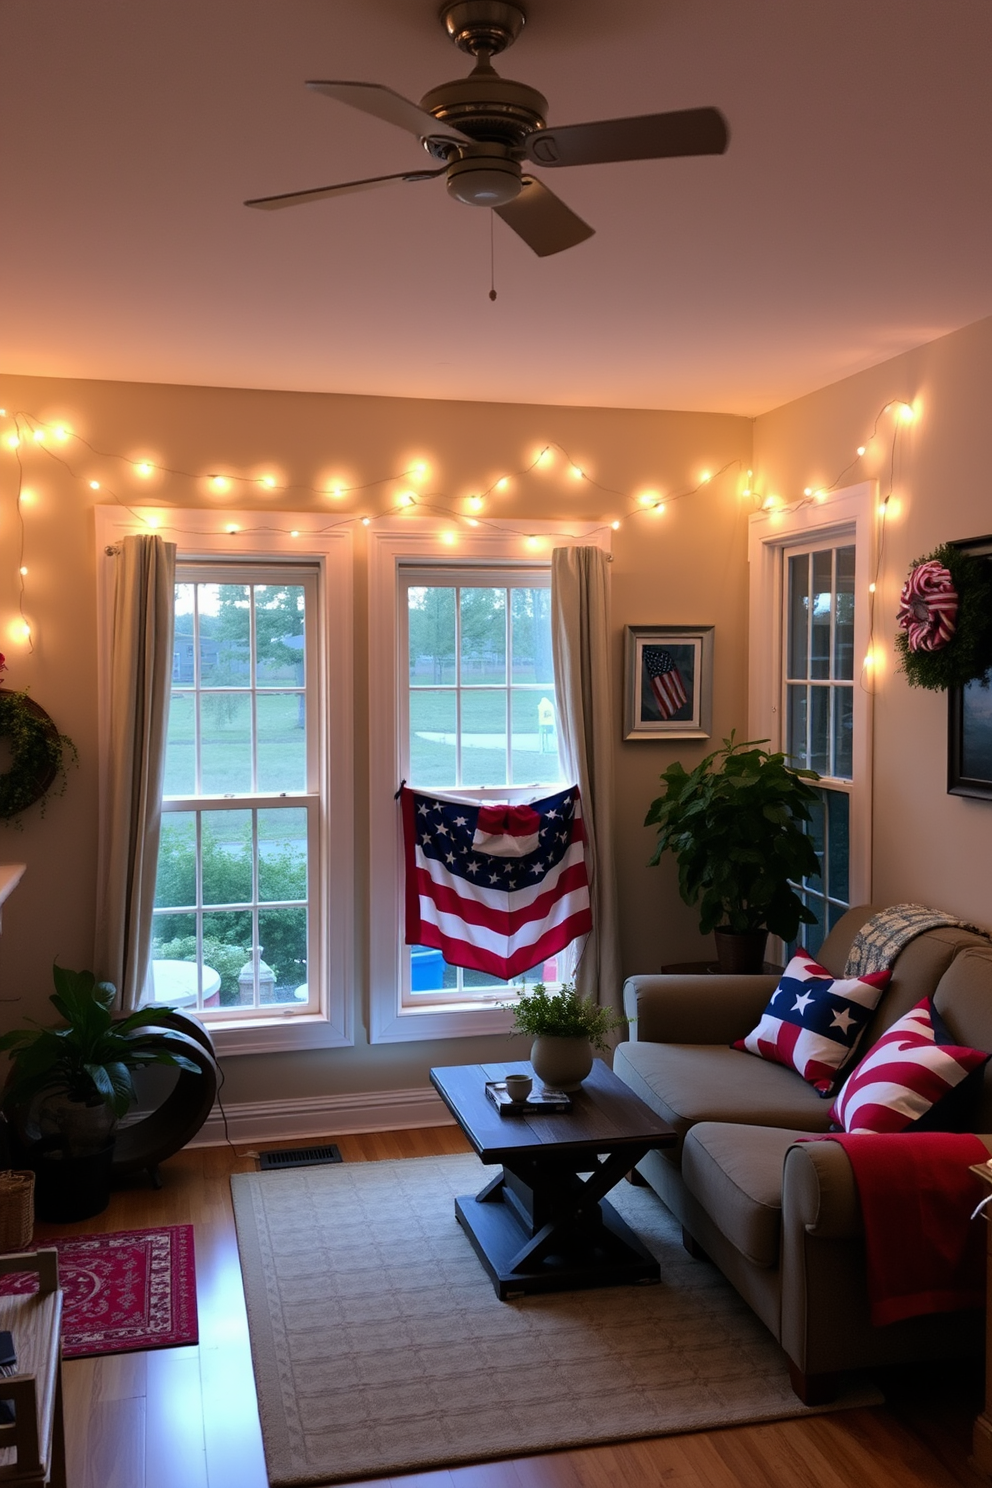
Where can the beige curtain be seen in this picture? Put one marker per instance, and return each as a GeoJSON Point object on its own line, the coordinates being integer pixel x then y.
{"type": "Point", "coordinates": [580, 630]}
{"type": "Point", "coordinates": [140, 680]}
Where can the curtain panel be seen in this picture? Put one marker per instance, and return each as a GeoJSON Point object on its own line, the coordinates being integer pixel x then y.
{"type": "Point", "coordinates": [140, 679]}
{"type": "Point", "coordinates": [580, 631]}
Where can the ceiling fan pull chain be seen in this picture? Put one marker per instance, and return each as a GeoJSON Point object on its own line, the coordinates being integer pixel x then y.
{"type": "Point", "coordinates": [492, 257]}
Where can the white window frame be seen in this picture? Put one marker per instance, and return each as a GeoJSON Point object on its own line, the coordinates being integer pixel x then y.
{"type": "Point", "coordinates": [392, 543]}
{"type": "Point", "coordinates": [845, 517]}
{"type": "Point", "coordinates": [206, 534]}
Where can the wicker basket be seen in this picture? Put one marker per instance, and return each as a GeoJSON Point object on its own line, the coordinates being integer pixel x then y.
{"type": "Point", "coordinates": [16, 1210]}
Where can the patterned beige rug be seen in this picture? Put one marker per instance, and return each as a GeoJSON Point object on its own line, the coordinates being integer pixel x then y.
{"type": "Point", "coordinates": [379, 1344]}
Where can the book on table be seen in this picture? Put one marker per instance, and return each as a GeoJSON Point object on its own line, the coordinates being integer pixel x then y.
{"type": "Point", "coordinates": [536, 1101]}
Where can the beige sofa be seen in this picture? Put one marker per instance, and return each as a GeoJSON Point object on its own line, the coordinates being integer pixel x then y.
{"type": "Point", "coordinates": [782, 1220]}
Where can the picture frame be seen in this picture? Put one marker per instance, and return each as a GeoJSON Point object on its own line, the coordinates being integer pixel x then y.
{"type": "Point", "coordinates": [668, 681]}
{"type": "Point", "coordinates": [969, 719]}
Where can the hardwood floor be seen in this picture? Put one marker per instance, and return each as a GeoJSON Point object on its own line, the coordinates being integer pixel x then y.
{"type": "Point", "coordinates": [186, 1418]}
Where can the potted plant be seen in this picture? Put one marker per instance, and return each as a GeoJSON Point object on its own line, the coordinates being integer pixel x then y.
{"type": "Point", "coordinates": [38, 752]}
{"type": "Point", "coordinates": [737, 825]}
{"type": "Point", "coordinates": [69, 1086]}
{"type": "Point", "coordinates": [565, 1028]}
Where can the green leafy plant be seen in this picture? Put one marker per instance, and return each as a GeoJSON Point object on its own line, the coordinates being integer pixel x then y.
{"type": "Point", "coordinates": [736, 825]}
{"type": "Point", "coordinates": [90, 1059]}
{"type": "Point", "coordinates": [968, 655]}
{"type": "Point", "coordinates": [38, 753]}
{"type": "Point", "coordinates": [543, 1014]}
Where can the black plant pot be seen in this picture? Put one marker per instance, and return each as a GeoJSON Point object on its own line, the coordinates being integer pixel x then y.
{"type": "Point", "coordinates": [70, 1188]}
{"type": "Point", "coordinates": [740, 951]}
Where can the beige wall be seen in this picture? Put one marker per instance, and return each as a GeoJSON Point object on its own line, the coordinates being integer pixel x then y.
{"type": "Point", "coordinates": [686, 567]}
{"type": "Point", "coordinates": [928, 846]}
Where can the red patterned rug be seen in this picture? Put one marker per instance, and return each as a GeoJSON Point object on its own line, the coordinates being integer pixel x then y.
{"type": "Point", "coordinates": [134, 1289]}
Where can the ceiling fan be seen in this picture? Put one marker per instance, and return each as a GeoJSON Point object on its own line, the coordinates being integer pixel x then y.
{"type": "Point", "coordinates": [483, 127]}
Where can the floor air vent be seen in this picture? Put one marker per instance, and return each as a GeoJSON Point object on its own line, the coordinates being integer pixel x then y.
{"type": "Point", "coordinates": [299, 1157]}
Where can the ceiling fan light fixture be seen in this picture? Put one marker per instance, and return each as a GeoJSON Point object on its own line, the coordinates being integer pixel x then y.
{"type": "Point", "coordinates": [484, 181]}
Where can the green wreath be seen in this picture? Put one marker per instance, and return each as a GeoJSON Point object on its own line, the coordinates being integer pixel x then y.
{"type": "Point", "coordinates": [968, 654]}
{"type": "Point", "coordinates": [39, 754]}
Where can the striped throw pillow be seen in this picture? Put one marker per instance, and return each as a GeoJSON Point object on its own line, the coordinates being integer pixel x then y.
{"type": "Point", "coordinates": [913, 1066]}
{"type": "Point", "coordinates": [814, 1021]}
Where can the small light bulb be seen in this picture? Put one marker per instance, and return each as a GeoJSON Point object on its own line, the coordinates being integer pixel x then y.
{"type": "Point", "coordinates": [13, 440]}
{"type": "Point", "coordinates": [533, 541]}
{"type": "Point", "coordinates": [475, 503]}
{"type": "Point", "coordinates": [25, 630]}
{"type": "Point", "coordinates": [807, 490]}
{"type": "Point", "coordinates": [26, 497]}
{"type": "Point", "coordinates": [366, 521]}
{"type": "Point", "coordinates": [448, 537]}
{"type": "Point", "coordinates": [151, 522]}
{"type": "Point", "coordinates": [218, 482]}
{"type": "Point", "coordinates": [871, 588]}
{"type": "Point", "coordinates": [3, 413]}
{"type": "Point", "coordinates": [144, 467]}
{"type": "Point", "coordinates": [746, 491]}
{"type": "Point", "coordinates": [659, 507]}
{"type": "Point", "coordinates": [577, 473]}
{"type": "Point", "coordinates": [861, 450]}
{"type": "Point", "coordinates": [407, 498]}
{"type": "Point", "coordinates": [649, 498]}
{"type": "Point", "coordinates": [268, 481]}
{"type": "Point", "coordinates": [94, 485]}
{"type": "Point", "coordinates": [231, 527]}
{"type": "Point", "coordinates": [38, 435]}
{"type": "Point", "coordinates": [881, 508]}
{"type": "Point", "coordinates": [471, 521]}
{"type": "Point", "coordinates": [61, 432]}
{"type": "Point", "coordinates": [502, 483]}
{"type": "Point", "coordinates": [869, 660]}
{"type": "Point", "coordinates": [336, 491]}
{"type": "Point", "coordinates": [545, 457]}
{"type": "Point", "coordinates": [906, 413]}
{"type": "Point", "coordinates": [706, 476]}
{"type": "Point", "coordinates": [615, 526]}
{"type": "Point", "coordinates": [294, 533]}
{"type": "Point", "coordinates": [22, 570]}
{"type": "Point", "coordinates": [418, 471]}
{"type": "Point", "coordinates": [768, 503]}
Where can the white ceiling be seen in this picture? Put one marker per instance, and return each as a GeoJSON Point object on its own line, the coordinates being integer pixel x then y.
{"type": "Point", "coordinates": [850, 219]}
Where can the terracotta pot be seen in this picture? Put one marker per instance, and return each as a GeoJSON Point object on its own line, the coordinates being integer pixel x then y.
{"type": "Point", "coordinates": [740, 951]}
{"type": "Point", "coordinates": [561, 1063]}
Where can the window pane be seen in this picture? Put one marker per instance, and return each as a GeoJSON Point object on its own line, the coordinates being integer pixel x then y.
{"type": "Point", "coordinates": [282, 854]}
{"type": "Point", "coordinates": [798, 614]}
{"type": "Point", "coordinates": [822, 614]}
{"type": "Point", "coordinates": [180, 746]}
{"type": "Point", "coordinates": [175, 883]}
{"type": "Point", "coordinates": [183, 654]}
{"type": "Point", "coordinates": [843, 732]}
{"type": "Point", "coordinates": [796, 731]}
{"type": "Point", "coordinates": [283, 937]}
{"type": "Point", "coordinates": [844, 634]}
{"type": "Point", "coordinates": [427, 970]}
{"type": "Point", "coordinates": [819, 730]}
{"type": "Point", "coordinates": [816, 828]}
{"type": "Point", "coordinates": [226, 850]}
{"type": "Point", "coordinates": [282, 741]}
{"type": "Point", "coordinates": [431, 620]}
{"type": "Point", "coordinates": [839, 838]}
{"type": "Point", "coordinates": [812, 936]}
{"type": "Point", "coordinates": [225, 746]}
{"type": "Point", "coordinates": [173, 965]}
{"type": "Point", "coordinates": [483, 621]}
{"type": "Point", "coordinates": [432, 738]}
{"type": "Point", "coordinates": [227, 942]}
{"type": "Point", "coordinates": [530, 611]}
{"type": "Point", "coordinates": [225, 631]}
{"type": "Point", "coordinates": [279, 636]}
{"type": "Point", "coordinates": [534, 744]}
{"type": "Point", "coordinates": [484, 738]}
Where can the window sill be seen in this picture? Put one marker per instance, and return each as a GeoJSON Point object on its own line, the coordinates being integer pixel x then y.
{"type": "Point", "coordinates": [276, 1035]}
{"type": "Point", "coordinates": [408, 1025]}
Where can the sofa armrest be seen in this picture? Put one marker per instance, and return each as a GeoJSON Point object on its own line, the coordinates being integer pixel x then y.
{"type": "Point", "coordinates": [694, 1009]}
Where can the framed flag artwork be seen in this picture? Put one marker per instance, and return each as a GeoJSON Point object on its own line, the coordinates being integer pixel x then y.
{"type": "Point", "coordinates": [668, 681]}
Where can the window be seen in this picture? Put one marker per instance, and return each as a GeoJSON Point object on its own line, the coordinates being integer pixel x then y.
{"type": "Point", "coordinates": [236, 919]}
{"type": "Point", "coordinates": [809, 635]}
{"type": "Point", "coordinates": [461, 699]}
{"type": "Point", "coordinates": [478, 716]}
{"type": "Point", "coordinates": [252, 924]}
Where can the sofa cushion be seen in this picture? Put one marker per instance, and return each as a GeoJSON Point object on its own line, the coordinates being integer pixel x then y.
{"type": "Point", "coordinates": [964, 1000]}
{"type": "Point", "coordinates": [686, 1083]}
{"type": "Point", "coordinates": [913, 1068]}
{"type": "Point", "coordinates": [813, 1021]}
{"type": "Point", "coordinates": [735, 1173]}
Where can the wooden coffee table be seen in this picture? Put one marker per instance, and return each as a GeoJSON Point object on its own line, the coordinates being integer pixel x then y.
{"type": "Point", "coordinates": [542, 1224]}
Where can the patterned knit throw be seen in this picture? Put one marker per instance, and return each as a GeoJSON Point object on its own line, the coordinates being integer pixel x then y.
{"type": "Point", "coordinates": [880, 939]}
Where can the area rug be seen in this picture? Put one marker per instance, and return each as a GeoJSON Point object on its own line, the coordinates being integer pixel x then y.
{"type": "Point", "coordinates": [133, 1289]}
{"type": "Point", "coordinates": [379, 1345]}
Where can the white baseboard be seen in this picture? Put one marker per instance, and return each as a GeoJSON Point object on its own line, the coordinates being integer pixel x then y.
{"type": "Point", "coordinates": [324, 1116]}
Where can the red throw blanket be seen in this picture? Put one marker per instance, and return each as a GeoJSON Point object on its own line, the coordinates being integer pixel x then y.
{"type": "Point", "coordinates": [924, 1252]}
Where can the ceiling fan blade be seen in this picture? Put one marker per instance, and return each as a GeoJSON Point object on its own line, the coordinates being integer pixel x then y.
{"type": "Point", "coordinates": [393, 108]}
{"type": "Point", "coordinates": [701, 131]}
{"type": "Point", "coordinates": [343, 188]}
{"type": "Point", "coordinates": [543, 220]}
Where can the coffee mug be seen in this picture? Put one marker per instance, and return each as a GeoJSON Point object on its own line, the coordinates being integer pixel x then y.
{"type": "Point", "coordinates": [518, 1087]}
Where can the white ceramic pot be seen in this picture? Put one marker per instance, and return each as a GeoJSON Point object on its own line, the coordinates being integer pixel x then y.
{"type": "Point", "coordinates": [561, 1063]}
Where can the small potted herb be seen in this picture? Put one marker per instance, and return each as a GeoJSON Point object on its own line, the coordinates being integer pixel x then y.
{"type": "Point", "coordinates": [565, 1028]}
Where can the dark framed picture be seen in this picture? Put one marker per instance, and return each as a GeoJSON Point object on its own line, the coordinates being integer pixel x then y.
{"type": "Point", "coordinates": [668, 681]}
{"type": "Point", "coordinates": [969, 719]}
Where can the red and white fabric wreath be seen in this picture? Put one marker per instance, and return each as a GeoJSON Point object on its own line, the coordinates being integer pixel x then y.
{"type": "Point", "coordinates": [928, 608]}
